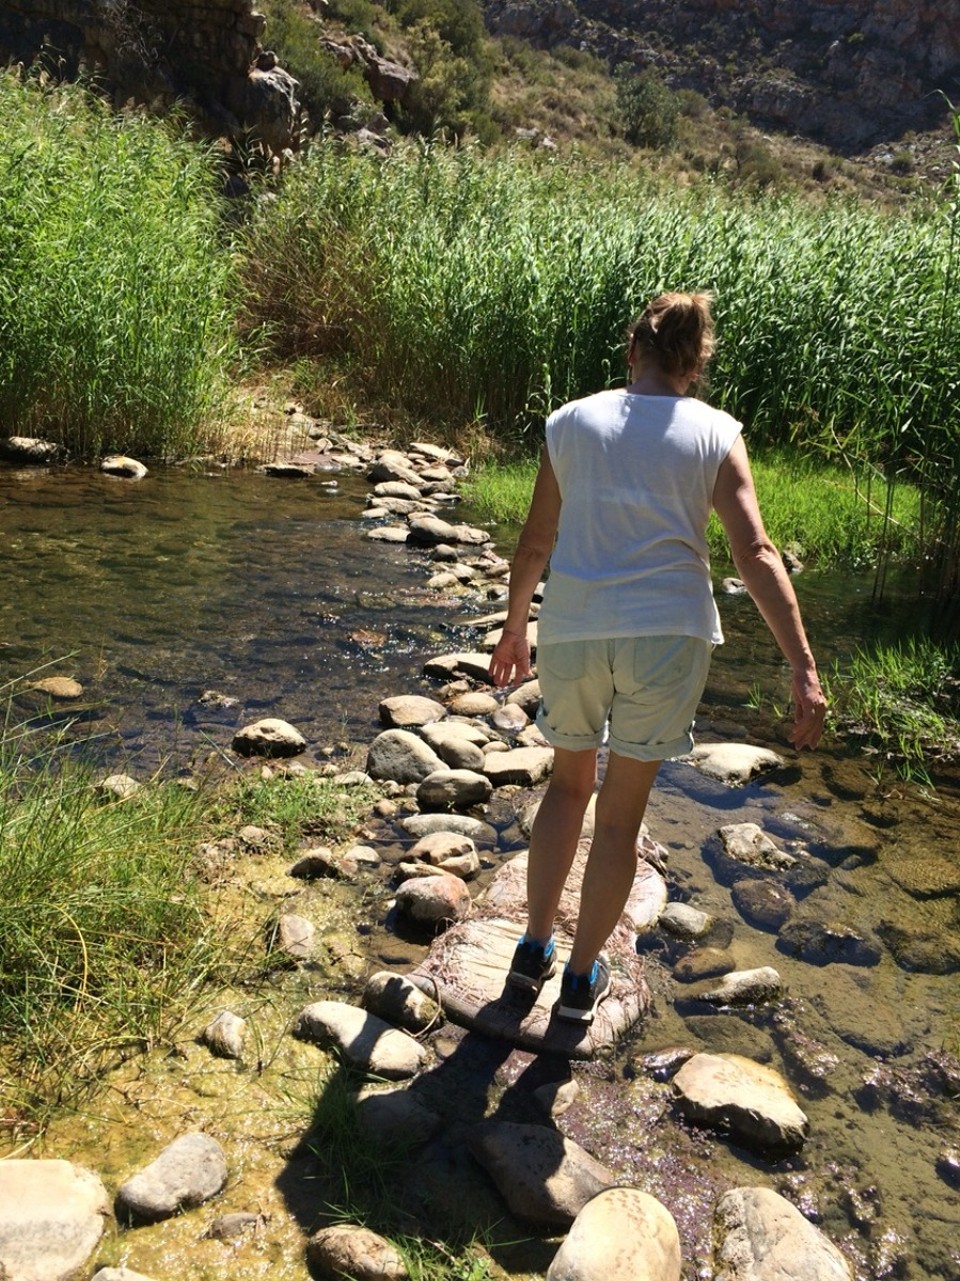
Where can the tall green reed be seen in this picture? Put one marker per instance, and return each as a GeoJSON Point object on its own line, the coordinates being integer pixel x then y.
{"type": "Point", "coordinates": [116, 310]}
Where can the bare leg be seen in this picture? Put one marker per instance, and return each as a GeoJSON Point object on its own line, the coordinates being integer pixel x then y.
{"type": "Point", "coordinates": [553, 841]}
{"type": "Point", "coordinates": [612, 863]}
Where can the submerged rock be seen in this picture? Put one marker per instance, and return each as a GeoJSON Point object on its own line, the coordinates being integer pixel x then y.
{"type": "Point", "coordinates": [826, 943]}
{"type": "Point", "coordinates": [751, 1101]}
{"type": "Point", "coordinates": [762, 1237]}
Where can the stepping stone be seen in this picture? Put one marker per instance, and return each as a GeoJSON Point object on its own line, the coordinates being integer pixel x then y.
{"type": "Point", "coordinates": [52, 1216]}
{"type": "Point", "coordinates": [466, 969]}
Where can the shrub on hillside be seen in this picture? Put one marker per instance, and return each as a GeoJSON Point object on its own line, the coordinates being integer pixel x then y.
{"type": "Point", "coordinates": [648, 109]}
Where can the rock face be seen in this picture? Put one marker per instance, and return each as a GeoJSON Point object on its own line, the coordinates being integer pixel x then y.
{"type": "Point", "coordinates": [849, 73]}
{"type": "Point", "coordinates": [51, 1218]}
{"type": "Point", "coordinates": [762, 1237]}
{"type": "Point", "coordinates": [164, 52]}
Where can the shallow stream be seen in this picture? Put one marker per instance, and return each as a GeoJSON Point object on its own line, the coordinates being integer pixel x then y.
{"type": "Point", "coordinates": [267, 591]}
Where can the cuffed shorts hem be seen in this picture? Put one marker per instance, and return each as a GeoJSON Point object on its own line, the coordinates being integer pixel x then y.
{"type": "Point", "coordinates": [646, 689]}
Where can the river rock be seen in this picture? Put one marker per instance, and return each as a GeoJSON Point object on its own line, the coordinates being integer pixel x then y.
{"type": "Point", "coordinates": [314, 863]}
{"type": "Point", "coordinates": [745, 987]}
{"type": "Point", "coordinates": [423, 824]}
{"type": "Point", "coordinates": [407, 711]}
{"type": "Point", "coordinates": [360, 858]}
{"type": "Point", "coordinates": [121, 465]}
{"type": "Point", "coordinates": [354, 1252]}
{"type": "Point", "coordinates": [28, 450]}
{"type": "Point", "coordinates": [224, 1035]}
{"type": "Point", "coordinates": [188, 1172]}
{"type": "Point", "coordinates": [524, 766]}
{"type": "Point", "coordinates": [760, 1236]}
{"type": "Point", "coordinates": [445, 666]}
{"type": "Point", "coordinates": [731, 1034]}
{"type": "Point", "coordinates": [751, 1101]}
{"type": "Point", "coordinates": [387, 533]}
{"type": "Point", "coordinates": [620, 1235]}
{"type": "Point", "coordinates": [749, 844]}
{"type": "Point", "coordinates": [557, 1097]}
{"type": "Point", "coordinates": [733, 763]}
{"type": "Point", "coordinates": [860, 1016]}
{"type": "Point", "coordinates": [928, 951]}
{"type": "Point", "coordinates": [228, 1227]}
{"type": "Point", "coordinates": [428, 530]}
{"type": "Point", "coordinates": [292, 937]}
{"type": "Point", "coordinates": [52, 1216]}
{"type": "Point", "coordinates": [684, 921]}
{"type": "Point", "coordinates": [447, 789]}
{"type": "Point", "coordinates": [704, 963]}
{"type": "Point", "coordinates": [269, 737]}
{"type": "Point", "coordinates": [434, 900]}
{"type": "Point", "coordinates": [473, 703]}
{"type": "Point", "coordinates": [395, 999]}
{"type": "Point", "coordinates": [763, 903]}
{"type": "Point", "coordinates": [826, 943]}
{"type": "Point", "coordinates": [287, 471]}
{"type": "Point", "coordinates": [442, 735]}
{"type": "Point", "coordinates": [511, 718]}
{"type": "Point", "coordinates": [927, 874]}
{"type": "Point", "coordinates": [397, 489]}
{"type": "Point", "coordinates": [392, 465]}
{"type": "Point", "coordinates": [402, 756]}
{"type": "Point", "coordinates": [527, 697]}
{"type": "Point", "coordinates": [58, 687]}
{"type": "Point", "coordinates": [117, 787]}
{"type": "Point", "coordinates": [362, 1038]}
{"type": "Point", "coordinates": [395, 1117]}
{"type": "Point", "coordinates": [457, 752]}
{"type": "Point", "coordinates": [435, 847]}
{"type": "Point", "coordinates": [544, 1177]}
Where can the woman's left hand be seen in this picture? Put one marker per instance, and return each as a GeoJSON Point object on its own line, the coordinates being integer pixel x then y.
{"type": "Point", "coordinates": [511, 655]}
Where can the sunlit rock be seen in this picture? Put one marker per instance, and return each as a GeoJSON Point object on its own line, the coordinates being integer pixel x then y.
{"type": "Point", "coordinates": [52, 1216]}
{"type": "Point", "coordinates": [349, 1251]}
{"type": "Point", "coordinates": [364, 1039]}
{"type": "Point", "coordinates": [188, 1172]}
{"type": "Point", "coordinates": [269, 737]}
{"type": "Point", "coordinates": [760, 1236]}
{"type": "Point", "coordinates": [749, 1100]}
{"type": "Point", "coordinates": [620, 1235]}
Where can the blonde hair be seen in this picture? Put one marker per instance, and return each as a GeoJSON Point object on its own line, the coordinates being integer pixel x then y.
{"type": "Point", "coordinates": [675, 333]}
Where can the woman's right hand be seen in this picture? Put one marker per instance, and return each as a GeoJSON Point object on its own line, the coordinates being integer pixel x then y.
{"type": "Point", "coordinates": [511, 655]}
{"type": "Point", "coordinates": [810, 710]}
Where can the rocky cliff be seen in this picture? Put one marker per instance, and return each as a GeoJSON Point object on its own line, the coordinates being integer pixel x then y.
{"type": "Point", "coordinates": [203, 55]}
{"type": "Point", "coordinates": [848, 73]}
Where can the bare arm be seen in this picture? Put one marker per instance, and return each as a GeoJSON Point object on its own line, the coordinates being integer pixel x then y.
{"type": "Point", "coordinates": [512, 653]}
{"type": "Point", "coordinates": [759, 565]}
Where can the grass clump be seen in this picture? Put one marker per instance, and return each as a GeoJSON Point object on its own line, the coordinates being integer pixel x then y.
{"type": "Point", "coordinates": [115, 302]}
{"type": "Point", "coordinates": [296, 805]}
{"type": "Point", "coordinates": [903, 702]}
{"type": "Point", "coordinates": [104, 935]}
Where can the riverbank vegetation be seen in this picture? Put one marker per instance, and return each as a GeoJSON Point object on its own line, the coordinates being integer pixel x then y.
{"type": "Point", "coordinates": [117, 914]}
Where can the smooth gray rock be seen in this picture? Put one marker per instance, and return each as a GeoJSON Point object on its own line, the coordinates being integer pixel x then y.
{"type": "Point", "coordinates": [460, 753]}
{"type": "Point", "coordinates": [423, 824]}
{"type": "Point", "coordinates": [733, 763]}
{"type": "Point", "coordinates": [760, 1236]}
{"type": "Point", "coordinates": [525, 766]}
{"type": "Point", "coordinates": [684, 921]}
{"type": "Point", "coordinates": [293, 937]}
{"type": "Point", "coordinates": [52, 1216]}
{"type": "Point", "coordinates": [358, 1253]}
{"type": "Point", "coordinates": [188, 1172]}
{"type": "Point", "coordinates": [751, 846]}
{"type": "Point", "coordinates": [443, 734]}
{"type": "Point", "coordinates": [395, 1117]}
{"type": "Point", "coordinates": [450, 789]}
{"type": "Point", "coordinates": [364, 1039]}
{"type": "Point", "coordinates": [224, 1035]}
{"type": "Point", "coordinates": [407, 711]}
{"type": "Point", "coordinates": [445, 666]}
{"type": "Point", "coordinates": [473, 703]}
{"type": "Point", "coordinates": [434, 900]}
{"type": "Point", "coordinates": [751, 1101]}
{"type": "Point", "coordinates": [620, 1235]}
{"type": "Point", "coordinates": [401, 755]}
{"type": "Point", "coordinates": [437, 846]}
{"type": "Point", "coordinates": [395, 999]}
{"type": "Point", "coordinates": [269, 737]}
{"type": "Point", "coordinates": [544, 1177]}
{"type": "Point", "coordinates": [745, 987]}
{"type": "Point", "coordinates": [527, 697]}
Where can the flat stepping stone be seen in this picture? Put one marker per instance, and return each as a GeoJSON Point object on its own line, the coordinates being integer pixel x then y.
{"type": "Point", "coordinates": [733, 763]}
{"type": "Point", "coordinates": [466, 969]}
{"type": "Point", "coordinates": [52, 1215]}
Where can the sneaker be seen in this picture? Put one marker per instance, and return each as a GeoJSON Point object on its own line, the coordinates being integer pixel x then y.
{"type": "Point", "coordinates": [580, 994]}
{"type": "Point", "coordinates": [533, 963]}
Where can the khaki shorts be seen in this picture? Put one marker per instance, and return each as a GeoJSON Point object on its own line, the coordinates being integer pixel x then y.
{"type": "Point", "coordinates": [647, 687]}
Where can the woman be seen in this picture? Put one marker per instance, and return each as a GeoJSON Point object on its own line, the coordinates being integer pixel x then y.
{"type": "Point", "coordinates": [628, 622]}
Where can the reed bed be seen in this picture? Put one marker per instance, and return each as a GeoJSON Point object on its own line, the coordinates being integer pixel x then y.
{"type": "Point", "coordinates": [470, 287]}
{"type": "Point", "coordinates": [115, 302]}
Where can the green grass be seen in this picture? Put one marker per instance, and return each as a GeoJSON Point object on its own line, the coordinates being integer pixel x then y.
{"type": "Point", "coordinates": [831, 514]}
{"type": "Point", "coordinates": [115, 296]}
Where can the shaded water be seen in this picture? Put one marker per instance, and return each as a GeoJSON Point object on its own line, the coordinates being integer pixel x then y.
{"type": "Point", "coordinates": [267, 591]}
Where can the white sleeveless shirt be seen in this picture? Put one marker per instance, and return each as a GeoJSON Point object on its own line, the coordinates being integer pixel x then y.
{"type": "Point", "coordinates": [636, 476]}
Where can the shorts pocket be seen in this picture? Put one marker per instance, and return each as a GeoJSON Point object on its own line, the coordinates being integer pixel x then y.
{"type": "Point", "coordinates": [564, 660]}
